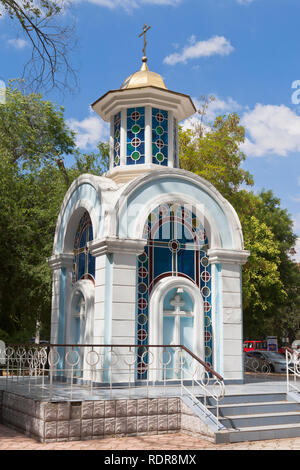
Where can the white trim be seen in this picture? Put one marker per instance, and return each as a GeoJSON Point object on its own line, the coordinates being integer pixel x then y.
{"type": "Point", "coordinates": [170, 139]}
{"type": "Point", "coordinates": [228, 256]}
{"type": "Point", "coordinates": [123, 137]}
{"type": "Point", "coordinates": [115, 100]}
{"type": "Point", "coordinates": [148, 135]}
{"type": "Point", "coordinates": [111, 143]}
{"type": "Point", "coordinates": [71, 226]}
{"type": "Point", "coordinates": [156, 318]}
{"type": "Point", "coordinates": [117, 245]}
{"type": "Point", "coordinates": [99, 183]}
{"type": "Point", "coordinates": [188, 177]}
{"type": "Point", "coordinates": [204, 216]}
{"type": "Point", "coordinates": [63, 260]}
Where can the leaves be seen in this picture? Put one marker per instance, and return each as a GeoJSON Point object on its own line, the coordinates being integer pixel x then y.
{"type": "Point", "coordinates": [213, 153]}
{"type": "Point", "coordinates": [33, 131]}
{"type": "Point", "coordinates": [271, 281]}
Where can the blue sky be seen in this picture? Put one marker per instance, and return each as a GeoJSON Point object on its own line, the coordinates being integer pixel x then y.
{"type": "Point", "coordinates": [245, 52]}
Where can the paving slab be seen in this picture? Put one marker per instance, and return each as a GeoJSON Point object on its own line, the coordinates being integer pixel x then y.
{"type": "Point", "coordinates": [13, 440]}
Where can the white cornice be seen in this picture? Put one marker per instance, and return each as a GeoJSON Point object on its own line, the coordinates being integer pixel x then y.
{"type": "Point", "coordinates": [117, 245]}
{"type": "Point", "coordinates": [113, 101]}
{"type": "Point", "coordinates": [221, 255]}
{"type": "Point", "coordinates": [64, 260]}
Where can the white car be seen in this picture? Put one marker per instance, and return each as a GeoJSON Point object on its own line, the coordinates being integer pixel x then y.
{"type": "Point", "coordinates": [276, 361]}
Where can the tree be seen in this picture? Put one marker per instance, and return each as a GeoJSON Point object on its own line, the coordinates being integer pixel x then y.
{"type": "Point", "coordinates": [34, 141]}
{"type": "Point", "coordinates": [32, 130]}
{"type": "Point", "coordinates": [213, 151]}
{"type": "Point", "coordinates": [271, 281]}
{"type": "Point", "coordinates": [50, 41]}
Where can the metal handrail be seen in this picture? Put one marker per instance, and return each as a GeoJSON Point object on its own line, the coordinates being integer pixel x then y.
{"type": "Point", "coordinates": [292, 357]}
{"type": "Point", "coordinates": [203, 364]}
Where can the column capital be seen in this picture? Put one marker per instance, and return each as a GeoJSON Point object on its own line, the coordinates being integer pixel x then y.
{"type": "Point", "coordinates": [106, 245]}
{"type": "Point", "coordinates": [63, 260]}
{"type": "Point", "coordinates": [225, 256]}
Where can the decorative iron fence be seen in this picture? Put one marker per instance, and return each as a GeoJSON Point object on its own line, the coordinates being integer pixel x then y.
{"type": "Point", "coordinates": [292, 370]}
{"type": "Point", "coordinates": [97, 369]}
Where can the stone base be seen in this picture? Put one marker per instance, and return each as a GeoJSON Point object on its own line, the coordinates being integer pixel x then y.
{"type": "Point", "coordinates": [85, 420]}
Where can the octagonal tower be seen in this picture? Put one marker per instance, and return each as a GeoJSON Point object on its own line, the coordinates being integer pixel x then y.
{"type": "Point", "coordinates": [143, 116]}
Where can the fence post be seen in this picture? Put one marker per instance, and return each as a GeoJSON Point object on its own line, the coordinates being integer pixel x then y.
{"type": "Point", "coordinates": [51, 373]}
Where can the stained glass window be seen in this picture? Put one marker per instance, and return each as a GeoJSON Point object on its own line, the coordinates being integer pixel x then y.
{"type": "Point", "coordinates": [117, 139]}
{"type": "Point", "coordinates": [84, 262]}
{"type": "Point", "coordinates": [177, 246]}
{"type": "Point", "coordinates": [135, 136]}
{"type": "Point", "coordinates": [159, 136]}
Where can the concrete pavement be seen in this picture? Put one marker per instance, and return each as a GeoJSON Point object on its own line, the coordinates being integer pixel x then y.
{"type": "Point", "coordinates": [13, 440]}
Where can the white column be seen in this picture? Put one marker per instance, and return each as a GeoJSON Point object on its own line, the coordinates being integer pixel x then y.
{"type": "Point", "coordinates": [148, 135]}
{"type": "Point", "coordinates": [227, 312]}
{"type": "Point", "coordinates": [115, 295]}
{"type": "Point", "coordinates": [60, 294]}
{"type": "Point", "coordinates": [123, 137]}
{"type": "Point", "coordinates": [171, 139]}
{"type": "Point", "coordinates": [111, 143]}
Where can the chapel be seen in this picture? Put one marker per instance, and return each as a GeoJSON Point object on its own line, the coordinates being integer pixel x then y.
{"type": "Point", "coordinates": [149, 253]}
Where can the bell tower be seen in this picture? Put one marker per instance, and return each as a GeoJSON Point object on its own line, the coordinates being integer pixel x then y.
{"type": "Point", "coordinates": [144, 117]}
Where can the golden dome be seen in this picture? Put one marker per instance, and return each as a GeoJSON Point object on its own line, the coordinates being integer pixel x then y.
{"type": "Point", "coordinates": [143, 78]}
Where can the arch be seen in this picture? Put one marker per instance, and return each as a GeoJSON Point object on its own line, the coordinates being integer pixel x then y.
{"type": "Point", "coordinates": [83, 195]}
{"type": "Point", "coordinates": [171, 184]}
{"type": "Point", "coordinates": [87, 290]}
{"type": "Point", "coordinates": [174, 198]}
{"type": "Point", "coordinates": [156, 317]}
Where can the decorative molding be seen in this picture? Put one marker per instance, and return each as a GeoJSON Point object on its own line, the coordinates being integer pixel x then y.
{"type": "Point", "coordinates": [64, 260]}
{"type": "Point", "coordinates": [113, 101]}
{"type": "Point", "coordinates": [221, 255]}
{"type": "Point", "coordinates": [117, 245]}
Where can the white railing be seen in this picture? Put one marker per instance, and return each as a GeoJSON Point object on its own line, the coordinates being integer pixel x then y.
{"type": "Point", "coordinates": [110, 371]}
{"type": "Point", "coordinates": [292, 370]}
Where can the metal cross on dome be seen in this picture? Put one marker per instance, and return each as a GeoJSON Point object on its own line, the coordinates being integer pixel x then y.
{"type": "Point", "coordinates": [145, 29]}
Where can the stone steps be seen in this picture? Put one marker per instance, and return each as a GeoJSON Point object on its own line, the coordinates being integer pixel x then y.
{"type": "Point", "coordinates": [255, 417]}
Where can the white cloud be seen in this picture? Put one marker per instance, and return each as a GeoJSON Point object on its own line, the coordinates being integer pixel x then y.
{"type": "Point", "coordinates": [89, 132]}
{"type": "Point", "coordinates": [17, 43]}
{"type": "Point", "coordinates": [216, 108]}
{"type": "Point", "coordinates": [217, 45]}
{"type": "Point", "coordinates": [272, 130]}
{"type": "Point", "coordinates": [219, 107]}
{"type": "Point", "coordinates": [245, 2]}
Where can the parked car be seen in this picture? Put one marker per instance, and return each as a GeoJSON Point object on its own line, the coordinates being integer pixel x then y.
{"type": "Point", "coordinates": [255, 363]}
{"type": "Point", "coordinates": [276, 361]}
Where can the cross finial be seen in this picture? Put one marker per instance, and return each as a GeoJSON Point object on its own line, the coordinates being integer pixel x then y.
{"type": "Point", "coordinates": [145, 29]}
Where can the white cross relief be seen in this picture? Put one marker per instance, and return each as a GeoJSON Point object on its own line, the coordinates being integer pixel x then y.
{"type": "Point", "coordinates": [177, 302]}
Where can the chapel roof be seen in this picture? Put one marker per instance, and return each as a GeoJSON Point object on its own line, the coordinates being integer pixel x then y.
{"type": "Point", "coordinates": [143, 78]}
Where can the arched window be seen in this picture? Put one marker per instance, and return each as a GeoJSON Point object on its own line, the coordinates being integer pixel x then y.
{"type": "Point", "coordinates": [177, 246]}
{"type": "Point", "coordinates": [84, 262]}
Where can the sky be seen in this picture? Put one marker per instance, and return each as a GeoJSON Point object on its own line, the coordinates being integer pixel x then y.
{"type": "Point", "coordinates": [244, 52]}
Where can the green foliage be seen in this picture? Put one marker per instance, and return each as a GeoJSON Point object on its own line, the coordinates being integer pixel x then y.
{"type": "Point", "coordinates": [271, 281]}
{"type": "Point", "coordinates": [33, 181]}
{"type": "Point", "coordinates": [213, 152]}
{"type": "Point", "coordinates": [32, 131]}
